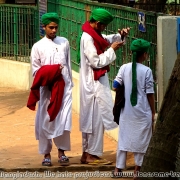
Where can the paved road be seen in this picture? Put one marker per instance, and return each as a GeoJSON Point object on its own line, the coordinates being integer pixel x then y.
{"type": "Point", "coordinates": [19, 149]}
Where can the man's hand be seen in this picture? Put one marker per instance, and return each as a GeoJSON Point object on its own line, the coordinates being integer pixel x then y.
{"type": "Point", "coordinates": [124, 32]}
{"type": "Point", "coordinates": [117, 45]}
{"type": "Point", "coordinates": [61, 67]}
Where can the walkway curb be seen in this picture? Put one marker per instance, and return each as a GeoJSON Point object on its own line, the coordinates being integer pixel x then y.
{"type": "Point", "coordinates": [74, 168]}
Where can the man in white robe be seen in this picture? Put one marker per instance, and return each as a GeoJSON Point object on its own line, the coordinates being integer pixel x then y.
{"type": "Point", "coordinates": [96, 104]}
{"type": "Point", "coordinates": [137, 116]}
{"type": "Point", "coordinates": [52, 50]}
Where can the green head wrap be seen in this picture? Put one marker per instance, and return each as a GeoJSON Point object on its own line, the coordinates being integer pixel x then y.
{"type": "Point", "coordinates": [102, 15]}
{"type": "Point", "coordinates": [138, 45]}
{"type": "Point", "coordinates": [50, 17]}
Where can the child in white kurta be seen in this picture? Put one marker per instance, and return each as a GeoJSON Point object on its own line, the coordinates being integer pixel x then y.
{"type": "Point", "coordinates": [135, 123]}
{"type": "Point", "coordinates": [48, 51]}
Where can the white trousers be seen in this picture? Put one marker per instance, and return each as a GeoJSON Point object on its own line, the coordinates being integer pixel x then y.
{"type": "Point", "coordinates": [61, 142]}
{"type": "Point", "coordinates": [121, 159]}
{"type": "Point", "coordinates": [93, 142]}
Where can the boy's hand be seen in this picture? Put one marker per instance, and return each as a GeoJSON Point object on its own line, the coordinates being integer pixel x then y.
{"type": "Point", "coordinates": [117, 45]}
{"type": "Point", "coordinates": [61, 67]}
{"type": "Point", "coordinates": [124, 32]}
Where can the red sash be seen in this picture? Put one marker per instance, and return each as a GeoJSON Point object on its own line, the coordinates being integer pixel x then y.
{"type": "Point", "coordinates": [101, 44]}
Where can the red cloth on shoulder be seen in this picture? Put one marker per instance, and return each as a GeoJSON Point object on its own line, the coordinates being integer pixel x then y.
{"type": "Point", "coordinates": [101, 44]}
{"type": "Point", "coordinates": [48, 75]}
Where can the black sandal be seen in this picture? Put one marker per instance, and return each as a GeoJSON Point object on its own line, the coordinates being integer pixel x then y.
{"type": "Point", "coordinates": [46, 162]}
{"type": "Point", "coordinates": [63, 160]}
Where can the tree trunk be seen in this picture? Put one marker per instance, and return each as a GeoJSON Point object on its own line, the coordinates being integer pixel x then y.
{"type": "Point", "coordinates": [163, 154]}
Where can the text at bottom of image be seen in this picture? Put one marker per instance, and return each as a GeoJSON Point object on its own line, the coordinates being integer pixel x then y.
{"type": "Point", "coordinates": [84, 175]}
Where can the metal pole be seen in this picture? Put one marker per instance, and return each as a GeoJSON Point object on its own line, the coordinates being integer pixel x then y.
{"type": "Point", "coordinates": [15, 34]}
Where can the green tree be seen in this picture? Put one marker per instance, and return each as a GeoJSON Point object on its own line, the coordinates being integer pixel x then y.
{"type": "Point", "coordinates": [163, 154]}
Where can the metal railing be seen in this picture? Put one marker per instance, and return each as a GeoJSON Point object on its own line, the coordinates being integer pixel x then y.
{"type": "Point", "coordinates": [73, 13]}
{"type": "Point", "coordinates": [18, 27]}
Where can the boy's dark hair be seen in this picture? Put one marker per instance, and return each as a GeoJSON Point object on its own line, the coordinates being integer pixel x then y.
{"type": "Point", "coordinates": [93, 21]}
{"type": "Point", "coordinates": [139, 53]}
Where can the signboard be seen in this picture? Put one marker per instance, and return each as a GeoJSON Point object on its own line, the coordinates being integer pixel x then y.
{"type": "Point", "coordinates": [42, 10]}
{"type": "Point", "coordinates": [141, 22]}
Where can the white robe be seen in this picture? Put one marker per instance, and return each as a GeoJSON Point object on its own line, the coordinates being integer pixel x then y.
{"type": "Point", "coordinates": [48, 52]}
{"type": "Point", "coordinates": [91, 90]}
{"type": "Point", "coordinates": [135, 121]}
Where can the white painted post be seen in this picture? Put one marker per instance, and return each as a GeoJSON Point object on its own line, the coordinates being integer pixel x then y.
{"type": "Point", "coordinates": [166, 52]}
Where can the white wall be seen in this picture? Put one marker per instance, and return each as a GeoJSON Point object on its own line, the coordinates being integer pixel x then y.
{"type": "Point", "coordinates": [14, 74]}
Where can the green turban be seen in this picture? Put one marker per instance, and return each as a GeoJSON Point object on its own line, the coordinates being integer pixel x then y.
{"type": "Point", "coordinates": [47, 18]}
{"type": "Point", "coordinates": [138, 45]}
{"type": "Point", "coordinates": [102, 15]}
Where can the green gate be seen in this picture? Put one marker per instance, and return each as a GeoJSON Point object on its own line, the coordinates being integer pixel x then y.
{"type": "Point", "coordinates": [18, 27]}
{"type": "Point", "coordinates": [73, 13]}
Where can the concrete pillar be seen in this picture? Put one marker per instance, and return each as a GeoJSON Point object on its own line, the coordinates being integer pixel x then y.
{"type": "Point", "coordinates": [166, 52]}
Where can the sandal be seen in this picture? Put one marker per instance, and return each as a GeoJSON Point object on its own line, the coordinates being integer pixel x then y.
{"type": "Point", "coordinates": [100, 162]}
{"type": "Point", "coordinates": [63, 160]}
{"type": "Point", "coordinates": [46, 162]}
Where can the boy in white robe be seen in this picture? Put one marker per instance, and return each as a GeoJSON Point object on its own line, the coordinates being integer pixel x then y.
{"type": "Point", "coordinates": [137, 116]}
{"type": "Point", "coordinates": [96, 53]}
{"type": "Point", "coordinates": [52, 50]}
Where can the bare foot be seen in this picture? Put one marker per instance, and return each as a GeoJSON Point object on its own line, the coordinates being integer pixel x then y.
{"type": "Point", "coordinates": [60, 153]}
{"type": "Point", "coordinates": [48, 156]}
{"type": "Point", "coordinates": [84, 157]}
{"type": "Point", "coordinates": [117, 172]}
{"type": "Point", "coordinates": [91, 158]}
{"type": "Point", "coordinates": [136, 170]}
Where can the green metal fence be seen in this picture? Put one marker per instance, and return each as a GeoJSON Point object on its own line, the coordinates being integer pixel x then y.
{"type": "Point", "coordinates": [73, 13]}
{"type": "Point", "coordinates": [18, 27]}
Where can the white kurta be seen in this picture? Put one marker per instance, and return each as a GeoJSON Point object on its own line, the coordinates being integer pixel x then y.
{"type": "Point", "coordinates": [48, 52]}
{"type": "Point", "coordinates": [135, 121]}
{"type": "Point", "coordinates": [91, 90]}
